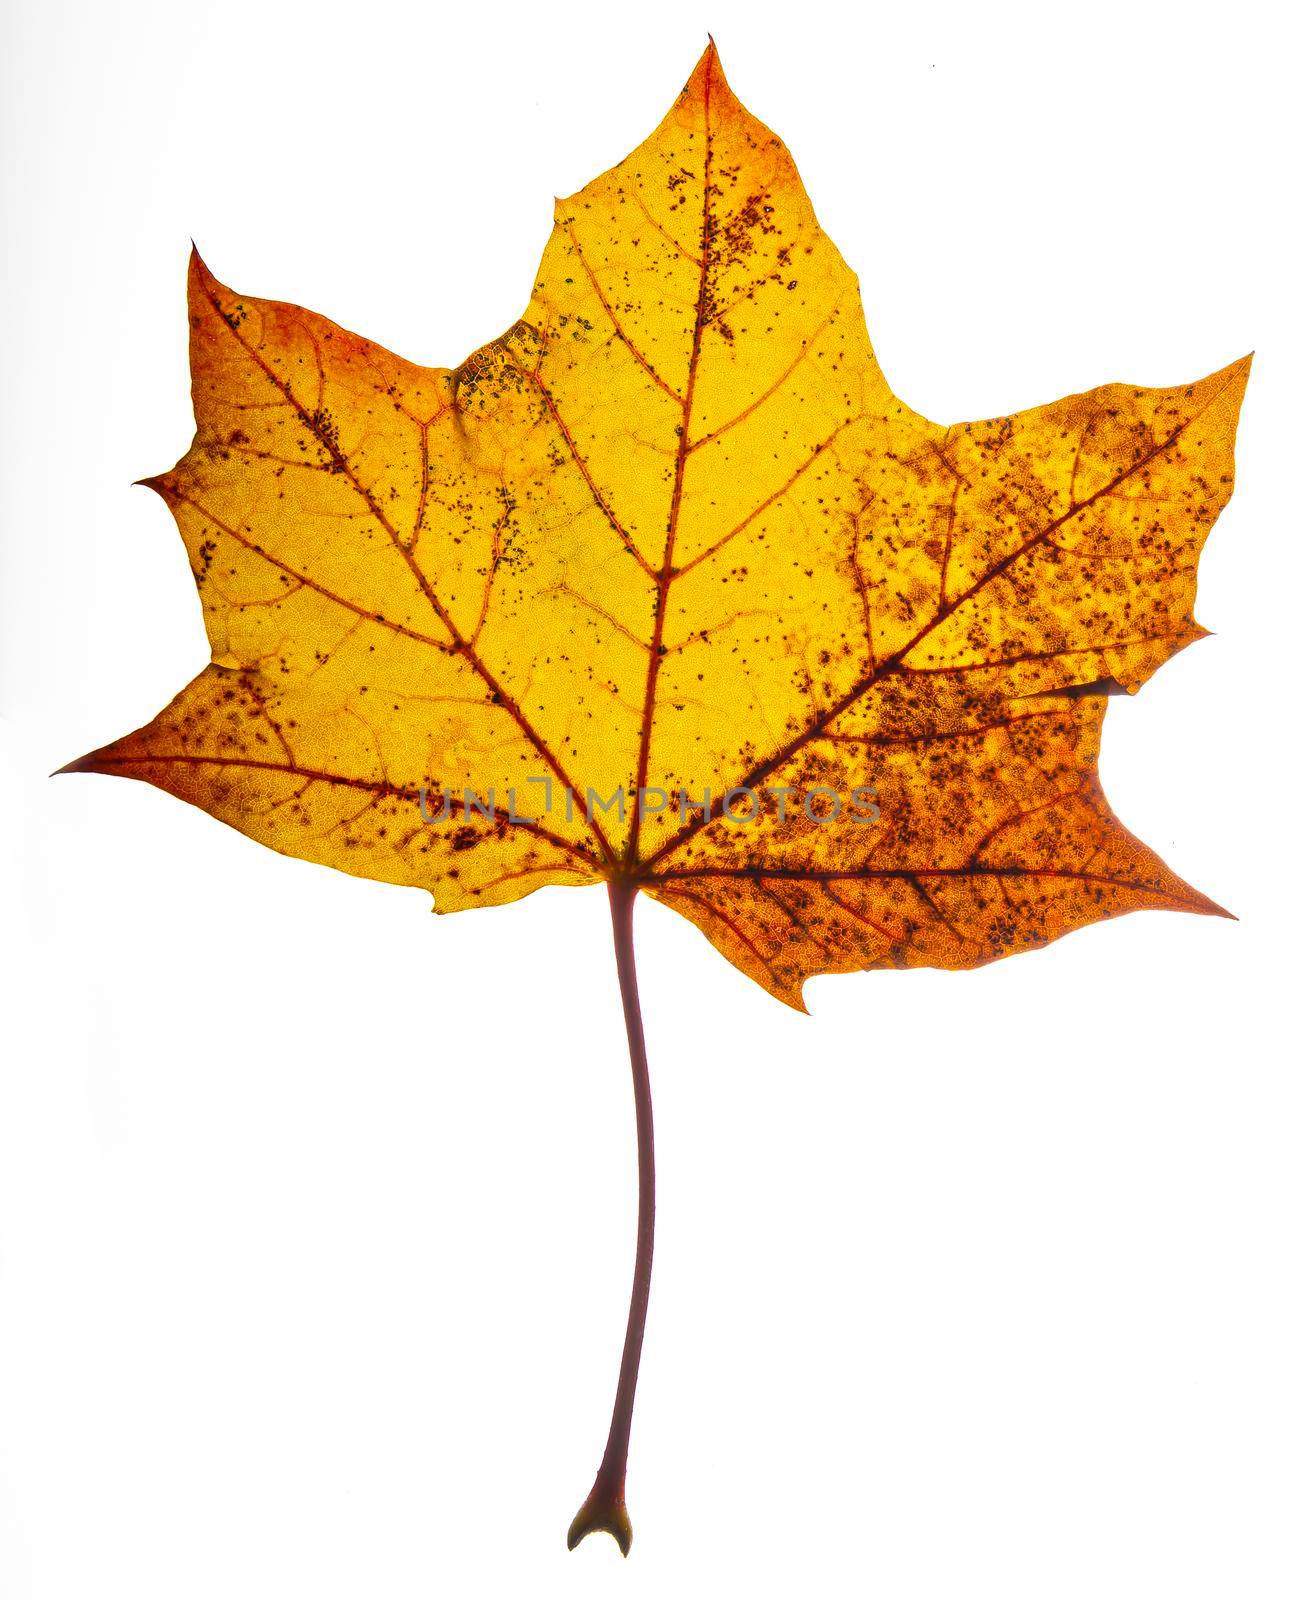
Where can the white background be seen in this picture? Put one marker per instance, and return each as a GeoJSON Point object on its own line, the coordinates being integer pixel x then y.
{"type": "Point", "coordinates": [316, 1212]}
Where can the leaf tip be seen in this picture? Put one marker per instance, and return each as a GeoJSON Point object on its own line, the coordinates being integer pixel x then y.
{"type": "Point", "coordinates": [708, 72]}
{"type": "Point", "coordinates": [85, 763]}
{"type": "Point", "coordinates": [1232, 379]}
{"type": "Point", "coordinates": [198, 272]}
{"type": "Point", "coordinates": [1203, 906]}
{"type": "Point", "coordinates": [158, 483]}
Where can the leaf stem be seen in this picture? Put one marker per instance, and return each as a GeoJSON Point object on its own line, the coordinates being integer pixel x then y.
{"type": "Point", "coordinates": [605, 1509]}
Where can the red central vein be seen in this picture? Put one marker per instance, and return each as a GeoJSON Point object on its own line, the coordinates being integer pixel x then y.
{"type": "Point", "coordinates": [461, 644]}
{"type": "Point", "coordinates": [667, 572]}
{"type": "Point", "coordinates": [378, 789]}
{"type": "Point", "coordinates": [910, 875]}
{"type": "Point", "coordinates": [816, 727]}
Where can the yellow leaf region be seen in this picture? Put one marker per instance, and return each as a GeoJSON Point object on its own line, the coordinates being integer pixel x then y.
{"type": "Point", "coordinates": [665, 587]}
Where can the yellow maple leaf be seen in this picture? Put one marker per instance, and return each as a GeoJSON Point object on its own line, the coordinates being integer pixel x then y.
{"type": "Point", "coordinates": [666, 588]}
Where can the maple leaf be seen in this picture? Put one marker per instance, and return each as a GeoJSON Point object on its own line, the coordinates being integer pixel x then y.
{"type": "Point", "coordinates": [665, 588]}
